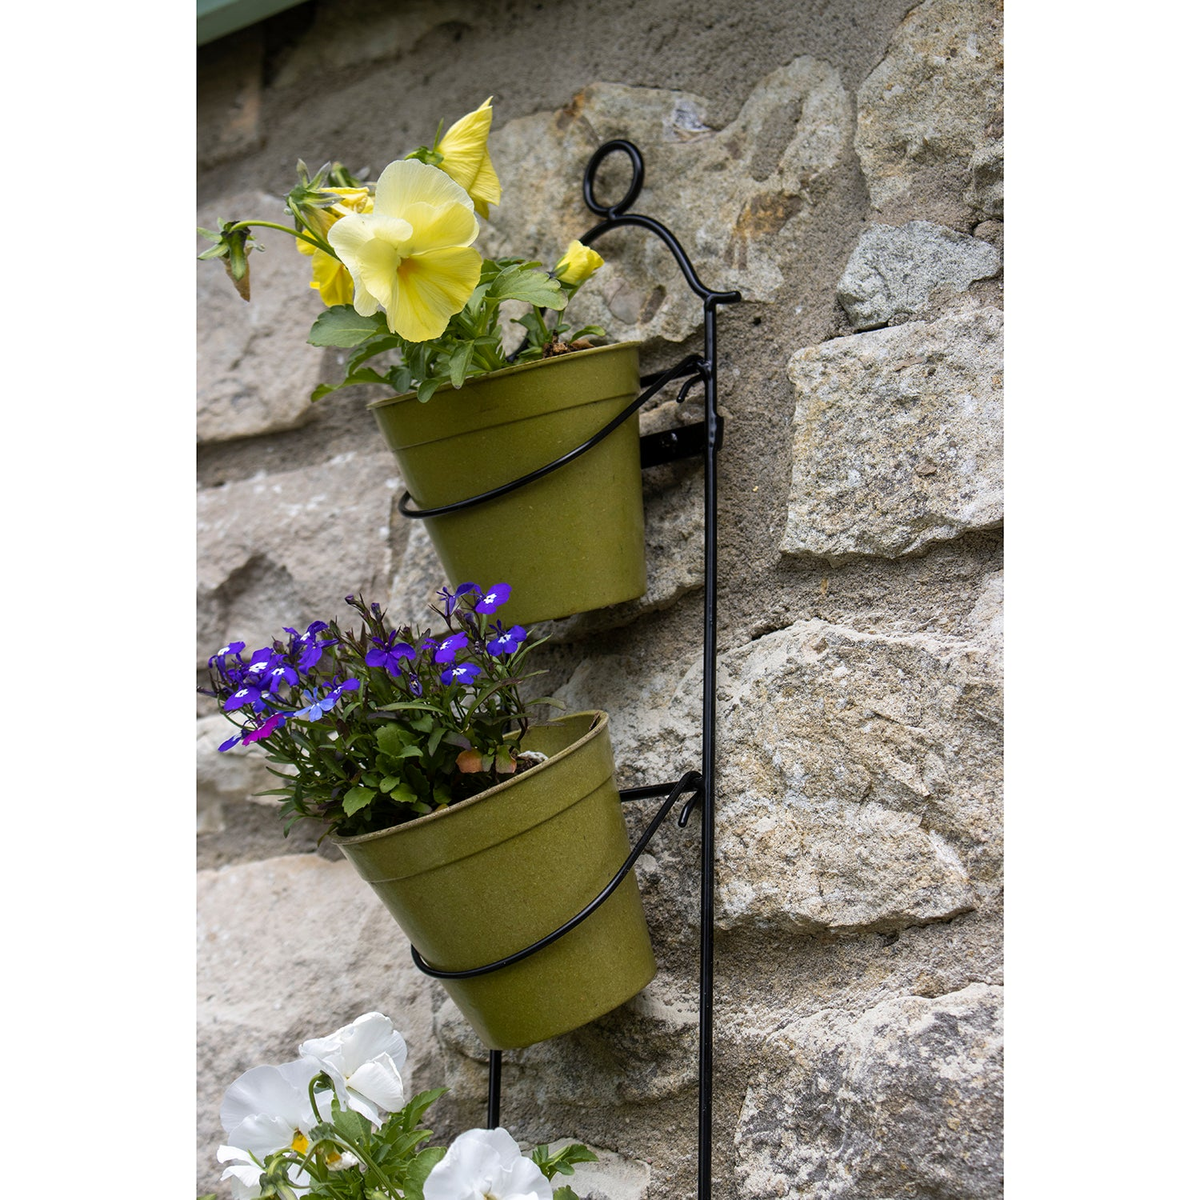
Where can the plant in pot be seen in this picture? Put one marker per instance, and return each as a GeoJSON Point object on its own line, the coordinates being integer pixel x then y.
{"type": "Point", "coordinates": [419, 310]}
{"type": "Point", "coordinates": [481, 829]}
{"type": "Point", "coordinates": [336, 1123]}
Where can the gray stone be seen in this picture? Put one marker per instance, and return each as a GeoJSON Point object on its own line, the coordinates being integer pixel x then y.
{"type": "Point", "coordinates": [287, 548]}
{"type": "Point", "coordinates": [738, 198]}
{"type": "Point", "coordinates": [644, 1050]}
{"type": "Point", "coordinates": [352, 35]}
{"type": "Point", "coordinates": [902, 1101]}
{"type": "Point", "coordinates": [229, 98]}
{"type": "Point", "coordinates": [860, 779]}
{"type": "Point", "coordinates": [613, 1177]}
{"type": "Point", "coordinates": [933, 101]}
{"type": "Point", "coordinates": [898, 438]}
{"type": "Point", "coordinates": [254, 372]}
{"type": "Point", "coordinates": [894, 271]}
{"type": "Point", "coordinates": [287, 949]}
{"type": "Point", "coordinates": [233, 776]}
{"type": "Point", "coordinates": [986, 192]}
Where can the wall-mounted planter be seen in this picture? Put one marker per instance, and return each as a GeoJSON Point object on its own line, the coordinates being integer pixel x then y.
{"type": "Point", "coordinates": [569, 542]}
{"type": "Point", "coordinates": [493, 874]}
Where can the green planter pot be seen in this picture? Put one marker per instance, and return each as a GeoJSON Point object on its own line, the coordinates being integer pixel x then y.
{"type": "Point", "coordinates": [573, 540]}
{"type": "Point", "coordinates": [495, 873]}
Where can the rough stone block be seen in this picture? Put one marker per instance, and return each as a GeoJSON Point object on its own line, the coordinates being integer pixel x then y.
{"type": "Point", "coordinates": [254, 370]}
{"type": "Point", "coordinates": [738, 198]}
{"type": "Point", "coordinates": [933, 101]}
{"type": "Point", "coordinates": [986, 192]}
{"type": "Point", "coordinates": [277, 549]}
{"type": "Point", "coordinates": [287, 949]}
{"type": "Point", "coordinates": [894, 271]}
{"type": "Point", "coordinates": [859, 780]}
{"type": "Point", "coordinates": [898, 438]}
{"type": "Point", "coordinates": [902, 1101]}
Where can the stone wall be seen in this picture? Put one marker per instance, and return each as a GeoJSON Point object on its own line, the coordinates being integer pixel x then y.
{"type": "Point", "coordinates": [840, 165]}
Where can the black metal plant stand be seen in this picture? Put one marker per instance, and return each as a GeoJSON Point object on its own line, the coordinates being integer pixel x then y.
{"type": "Point", "coordinates": [702, 438]}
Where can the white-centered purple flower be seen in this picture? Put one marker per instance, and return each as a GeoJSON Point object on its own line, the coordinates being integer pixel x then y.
{"type": "Point", "coordinates": [463, 673]}
{"type": "Point", "coordinates": [363, 1060]}
{"type": "Point", "coordinates": [506, 641]}
{"type": "Point", "coordinates": [448, 647]}
{"type": "Point", "coordinates": [495, 596]}
{"type": "Point", "coordinates": [486, 1164]}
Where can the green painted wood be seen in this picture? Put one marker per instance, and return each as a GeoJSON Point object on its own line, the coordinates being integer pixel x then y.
{"type": "Point", "coordinates": [571, 542]}
{"type": "Point", "coordinates": [495, 873]}
{"type": "Point", "coordinates": [216, 18]}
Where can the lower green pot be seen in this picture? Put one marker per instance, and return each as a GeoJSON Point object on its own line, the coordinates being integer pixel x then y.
{"type": "Point", "coordinates": [495, 873]}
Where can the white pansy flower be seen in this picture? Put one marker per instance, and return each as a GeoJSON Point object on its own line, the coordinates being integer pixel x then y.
{"type": "Point", "coordinates": [363, 1059]}
{"type": "Point", "coordinates": [266, 1110]}
{"type": "Point", "coordinates": [486, 1164]}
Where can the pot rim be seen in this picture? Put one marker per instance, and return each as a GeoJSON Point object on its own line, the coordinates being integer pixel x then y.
{"type": "Point", "coordinates": [503, 373]}
{"type": "Point", "coordinates": [595, 729]}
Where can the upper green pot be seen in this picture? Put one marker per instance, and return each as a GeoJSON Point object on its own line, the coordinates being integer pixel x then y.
{"type": "Point", "coordinates": [493, 874]}
{"type": "Point", "coordinates": [569, 542]}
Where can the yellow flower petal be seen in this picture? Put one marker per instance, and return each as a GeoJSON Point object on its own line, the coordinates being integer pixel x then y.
{"type": "Point", "coordinates": [466, 160]}
{"type": "Point", "coordinates": [437, 226]}
{"type": "Point", "coordinates": [430, 289]}
{"type": "Point", "coordinates": [331, 279]}
{"type": "Point", "coordinates": [372, 246]}
{"type": "Point", "coordinates": [411, 182]}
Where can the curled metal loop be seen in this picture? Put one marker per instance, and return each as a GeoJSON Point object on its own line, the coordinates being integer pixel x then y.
{"type": "Point", "coordinates": [635, 186]}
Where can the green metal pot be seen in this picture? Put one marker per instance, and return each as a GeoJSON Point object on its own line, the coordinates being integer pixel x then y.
{"type": "Point", "coordinates": [570, 542]}
{"type": "Point", "coordinates": [493, 874]}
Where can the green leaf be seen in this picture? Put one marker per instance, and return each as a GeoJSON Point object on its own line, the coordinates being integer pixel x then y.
{"type": "Point", "coordinates": [356, 798]}
{"type": "Point", "coordinates": [534, 287]}
{"type": "Point", "coordinates": [418, 1170]}
{"type": "Point", "coordinates": [353, 1126]}
{"type": "Point", "coordinates": [342, 326]}
{"type": "Point", "coordinates": [218, 251]}
{"type": "Point", "coordinates": [427, 388]}
{"type": "Point", "coordinates": [460, 360]}
{"type": "Point", "coordinates": [404, 794]}
{"type": "Point", "coordinates": [564, 1193]}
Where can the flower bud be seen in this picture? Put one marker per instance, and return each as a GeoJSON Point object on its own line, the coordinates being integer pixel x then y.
{"type": "Point", "coordinates": [578, 264]}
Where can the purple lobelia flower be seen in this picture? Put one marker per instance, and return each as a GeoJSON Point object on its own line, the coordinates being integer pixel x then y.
{"type": "Point", "coordinates": [506, 641]}
{"type": "Point", "coordinates": [450, 600]}
{"type": "Point", "coordinates": [218, 659]}
{"type": "Point", "coordinates": [495, 596]}
{"type": "Point", "coordinates": [315, 705]}
{"type": "Point", "coordinates": [306, 647]}
{"type": "Point", "coordinates": [449, 647]}
{"type": "Point", "coordinates": [389, 653]}
{"type": "Point", "coordinates": [247, 694]}
{"type": "Point", "coordinates": [267, 728]}
{"type": "Point", "coordinates": [460, 673]}
{"type": "Point", "coordinates": [280, 673]}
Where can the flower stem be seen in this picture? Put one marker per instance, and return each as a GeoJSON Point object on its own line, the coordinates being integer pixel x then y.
{"type": "Point", "coordinates": [319, 244]}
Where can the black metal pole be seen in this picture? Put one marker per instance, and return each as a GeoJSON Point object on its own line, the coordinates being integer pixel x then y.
{"type": "Point", "coordinates": [495, 1066]}
{"type": "Point", "coordinates": [709, 759]}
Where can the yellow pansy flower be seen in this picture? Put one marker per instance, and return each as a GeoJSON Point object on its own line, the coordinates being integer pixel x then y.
{"type": "Point", "coordinates": [465, 157]}
{"type": "Point", "coordinates": [578, 264]}
{"type": "Point", "coordinates": [330, 278]}
{"type": "Point", "coordinates": [411, 255]}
